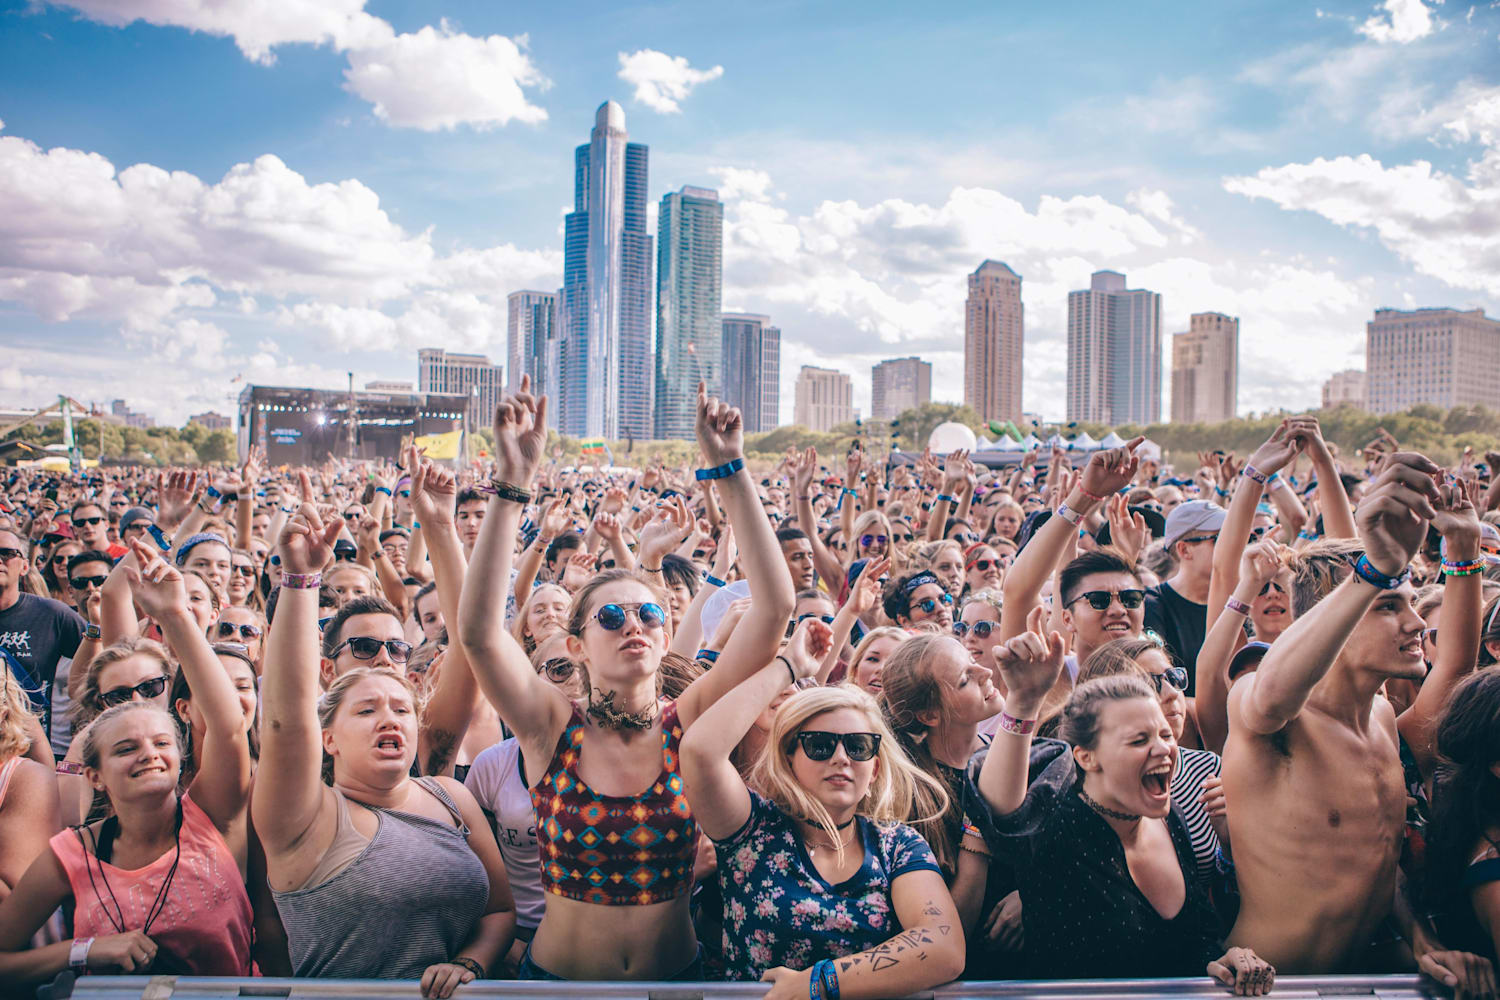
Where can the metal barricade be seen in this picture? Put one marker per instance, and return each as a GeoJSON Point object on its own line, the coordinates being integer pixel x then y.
{"type": "Point", "coordinates": [200, 988]}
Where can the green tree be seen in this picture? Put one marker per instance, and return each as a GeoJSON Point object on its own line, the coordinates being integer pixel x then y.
{"type": "Point", "coordinates": [216, 447]}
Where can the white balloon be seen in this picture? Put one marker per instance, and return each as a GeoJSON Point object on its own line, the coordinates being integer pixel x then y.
{"type": "Point", "coordinates": [951, 437]}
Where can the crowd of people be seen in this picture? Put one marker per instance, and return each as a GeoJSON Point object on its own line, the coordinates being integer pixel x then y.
{"type": "Point", "coordinates": [847, 729]}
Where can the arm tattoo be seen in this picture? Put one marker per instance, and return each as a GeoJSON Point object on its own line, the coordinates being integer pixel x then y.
{"type": "Point", "coordinates": [440, 753]}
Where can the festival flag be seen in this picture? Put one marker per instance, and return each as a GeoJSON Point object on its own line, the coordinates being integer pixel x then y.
{"type": "Point", "coordinates": [440, 447]}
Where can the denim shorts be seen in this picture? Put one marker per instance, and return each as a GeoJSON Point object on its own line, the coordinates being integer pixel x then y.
{"type": "Point", "coordinates": [530, 970]}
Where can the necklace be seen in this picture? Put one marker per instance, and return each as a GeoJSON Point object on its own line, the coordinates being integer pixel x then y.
{"type": "Point", "coordinates": [840, 845]}
{"type": "Point", "coordinates": [1123, 817]}
{"type": "Point", "coordinates": [117, 918]}
{"type": "Point", "coordinates": [607, 716]}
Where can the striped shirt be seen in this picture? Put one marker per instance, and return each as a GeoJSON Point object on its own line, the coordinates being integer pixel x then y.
{"type": "Point", "coordinates": [1193, 768]}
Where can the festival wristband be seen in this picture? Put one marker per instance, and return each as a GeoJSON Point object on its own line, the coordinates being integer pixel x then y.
{"type": "Point", "coordinates": [1252, 473]}
{"type": "Point", "coordinates": [162, 541]}
{"type": "Point", "coordinates": [724, 471]}
{"type": "Point", "coordinates": [384, 489]}
{"type": "Point", "coordinates": [830, 979]}
{"type": "Point", "coordinates": [92, 631]}
{"type": "Point", "coordinates": [78, 954]}
{"type": "Point", "coordinates": [943, 496]}
{"type": "Point", "coordinates": [713, 581]}
{"type": "Point", "coordinates": [509, 491]}
{"type": "Point", "coordinates": [1019, 727]}
{"type": "Point", "coordinates": [209, 490]}
{"type": "Point", "coordinates": [1368, 573]}
{"type": "Point", "coordinates": [1276, 482]}
{"type": "Point", "coordinates": [710, 655]}
{"type": "Point", "coordinates": [302, 581]}
{"type": "Point", "coordinates": [1238, 606]}
{"type": "Point", "coordinates": [847, 492]}
{"type": "Point", "coordinates": [465, 962]}
{"type": "Point", "coordinates": [1220, 491]}
{"type": "Point", "coordinates": [1069, 514]}
{"type": "Point", "coordinates": [69, 767]}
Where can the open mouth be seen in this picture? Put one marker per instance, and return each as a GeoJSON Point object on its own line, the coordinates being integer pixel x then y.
{"type": "Point", "coordinates": [1273, 612]}
{"type": "Point", "coordinates": [1158, 781]}
{"type": "Point", "coordinates": [389, 744]}
{"type": "Point", "coordinates": [153, 769]}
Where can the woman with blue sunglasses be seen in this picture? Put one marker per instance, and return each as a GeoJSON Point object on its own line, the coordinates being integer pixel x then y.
{"type": "Point", "coordinates": [616, 836]}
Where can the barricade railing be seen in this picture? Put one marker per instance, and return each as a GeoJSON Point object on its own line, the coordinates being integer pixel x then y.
{"type": "Point", "coordinates": [1396, 987]}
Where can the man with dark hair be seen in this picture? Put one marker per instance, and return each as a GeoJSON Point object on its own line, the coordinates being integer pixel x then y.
{"type": "Point", "coordinates": [395, 542]}
{"type": "Point", "coordinates": [797, 550]}
{"type": "Point", "coordinates": [469, 516]}
{"type": "Point", "coordinates": [365, 632]}
{"type": "Point", "coordinates": [918, 597]}
{"type": "Point", "coordinates": [87, 572]}
{"type": "Point", "coordinates": [559, 550]}
{"type": "Point", "coordinates": [1176, 608]}
{"type": "Point", "coordinates": [1102, 599]}
{"type": "Point", "coordinates": [91, 528]}
{"type": "Point", "coordinates": [38, 637]}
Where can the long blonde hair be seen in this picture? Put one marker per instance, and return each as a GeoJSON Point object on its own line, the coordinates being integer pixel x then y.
{"type": "Point", "coordinates": [15, 719]}
{"type": "Point", "coordinates": [88, 707]}
{"type": "Point", "coordinates": [892, 795]}
{"type": "Point", "coordinates": [518, 626]}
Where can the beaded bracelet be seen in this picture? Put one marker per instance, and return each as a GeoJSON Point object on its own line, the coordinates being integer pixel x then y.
{"type": "Point", "coordinates": [1252, 473]}
{"type": "Point", "coordinates": [724, 471]}
{"type": "Point", "coordinates": [1457, 567]}
{"type": "Point", "coordinates": [301, 581]}
{"type": "Point", "coordinates": [509, 491]}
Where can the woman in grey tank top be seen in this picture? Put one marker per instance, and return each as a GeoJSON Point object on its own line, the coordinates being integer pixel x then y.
{"type": "Point", "coordinates": [380, 875]}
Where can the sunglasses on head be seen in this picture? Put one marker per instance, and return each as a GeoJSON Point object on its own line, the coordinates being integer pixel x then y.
{"type": "Point", "coordinates": [558, 669]}
{"type": "Point", "coordinates": [819, 746]}
{"type": "Point", "coordinates": [981, 630]}
{"type": "Point", "coordinates": [611, 617]}
{"type": "Point", "coordinates": [79, 522]}
{"type": "Point", "coordinates": [80, 582]}
{"type": "Point", "coordinates": [1175, 676]}
{"type": "Point", "coordinates": [929, 604]}
{"type": "Point", "coordinates": [227, 630]}
{"type": "Point", "coordinates": [1099, 600]}
{"type": "Point", "coordinates": [868, 540]}
{"type": "Point", "coordinates": [146, 689]}
{"type": "Point", "coordinates": [365, 647]}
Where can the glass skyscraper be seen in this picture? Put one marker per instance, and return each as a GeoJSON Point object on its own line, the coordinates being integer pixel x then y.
{"type": "Point", "coordinates": [752, 370]}
{"type": "Point", "coordinates": [1114, 352]}
{"type": "Point", "coordinates": [689, 288]}
{"type": "Point", "coordinates": [604, 312]}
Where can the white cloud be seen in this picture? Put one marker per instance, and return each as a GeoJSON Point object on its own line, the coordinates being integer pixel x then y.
{"type": "Point", "coordinates": [434, 78]}
{"type": "Point", "coordinates": [1443, 225]}
{"type": "Point", "coordinates": [660, 80]}
{"type": "Point", "coordinates": [1403, 21]}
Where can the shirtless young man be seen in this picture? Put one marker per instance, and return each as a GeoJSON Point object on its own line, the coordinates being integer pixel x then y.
{"type": "Point", "coordinates": [1312, 771]}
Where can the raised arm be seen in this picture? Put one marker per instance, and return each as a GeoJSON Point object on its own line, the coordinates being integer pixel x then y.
{"type": "Point", "coordinates": [829, 568]}
{"type": "Point", "coordinates": [1333, 499]}
{"type": "Point", "coordinates": [531, 707]}
{"type": "Point", "coordinates": [1258, 566]}
{"type": "Point", "coordinates": [721, 803]}
{"type": "Point", "coordinates": [1030, 665]}
{"type": "Point", "coordinates": [688, 638]}
{"type": "Point", "coordinates": [1270, 458]}
{"type": "Point", "coordinates": [553, 522]}
{"type": "Point", "coordinates": [1392, 522]}
{"type": "Point", "coordinates": [722, 440]}
{"type": "Point", "coordinates": [1107, 472]}
{"type": "Point", "coordinates": [955, 479]}
{"type": "Point", "coordinates": [863, 596]}
{"type": "Point", "coordinates": [1459, 630]}
{"type": "Point", "coordinates": [451, 707]}
{"type": "Point", "coordinates": [222, 784]}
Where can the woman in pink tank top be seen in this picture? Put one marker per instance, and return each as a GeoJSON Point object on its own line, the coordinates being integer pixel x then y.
{"type": "Point", "coordinates": [159, 885]}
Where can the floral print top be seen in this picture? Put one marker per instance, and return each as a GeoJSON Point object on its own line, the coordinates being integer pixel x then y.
{"type": "Point", "coordinates": [778, 911]}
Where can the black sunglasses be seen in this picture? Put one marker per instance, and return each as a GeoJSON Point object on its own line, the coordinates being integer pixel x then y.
{"type": "Point", "coordinates": [344, 555]}
{"type": "Point", "coordinates": [929, 604]}
{"type": "Point", "coordinates": [243, 570]}
{"type": "Point", "coordinates": [984, 564]}
{"type": "Point", "coordinates": [558, 669]}
{"type": "Point", "coordinates": [1099, 599]}
{"type": "Point", "coordinates": [791, 626]}
{"type": "Point", "coordinates": [8, 554]}
{"type": "Point", "coordinates": [981, 630]}
{"type": "Point", "coordinates": [1175, 676]}
{"type": "Point", "coordinates": [820, 746]}
{"type": "Point", "coordinates": [79, 582]}
{"type": "Point", "coordinates": [365, 647]}
{"type": "Point", "coordinates": [611, 617]}
{"type": "Point", "coordinates": [868, 540]}
{"type": "Point", "coordinates": [79, 522]}
{"type": "Point", "coordinates": [247, 631]}
{"type": "Point", "coordinates": [146, 689]}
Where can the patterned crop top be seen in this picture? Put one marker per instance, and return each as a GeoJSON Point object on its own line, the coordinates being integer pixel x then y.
{"type": "Point", "coordinates": [615, 850]}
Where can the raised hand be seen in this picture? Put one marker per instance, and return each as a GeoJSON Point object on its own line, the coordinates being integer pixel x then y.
{"type": "Point", "coordinates": [809, 644]}
{"type": "Point", "coordinates": [606, 526]}
{"type": "Point", "coordinates": [307, 540]}
{"type": "Point", "coordinates": [614, 500]}
{"type": "Point", "coordinates": [520, 436]}
{"type": "Point", "coordinates": [955, 470]}
{"type": "Point", "coordinates": [1112, 470]}
{"type": "Point", "coordinates": [156, 586]}
{"type": "Point", "coordinates": [1128, 531]}
{"type": "Point", "coordinates": [1392, 518]}
{"type": "Point", "coordinates": [721, 430]}
{"type": "Point", "coordinates": [434, 492]}
{"type": "Point", "coordinates": [1260, 563]}
{"type": "Point", "coordinates": [804, 467]}
{"type": "Point", "coordinates": [1457, 520]}
{"type": "Point", "coordinates": [724, 553]}
{"type": "Point", "coordinates": [556, 519]}
{"type": "Point", "coordinates": [176, 500]}
{"type": "Point", "coordinates": [865, 593]}
{"type": "Point", "coordinates": [1228, 469]}
{"type": "Point", "coordinates": [666, 529]}
{"type": "Point", "coordinates": [367, 535]}
{"type": "Point", "coordinates": [1029, 664]}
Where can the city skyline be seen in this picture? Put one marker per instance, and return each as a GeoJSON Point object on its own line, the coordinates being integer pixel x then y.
{"type": "Point", "coordinates": [284, 200]}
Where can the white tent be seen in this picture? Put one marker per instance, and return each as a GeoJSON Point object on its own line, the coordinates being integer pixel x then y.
{"type": "Point", "coordinates": [1084, 443]}
{"type": "Point", "coordinates": [1111, 440]}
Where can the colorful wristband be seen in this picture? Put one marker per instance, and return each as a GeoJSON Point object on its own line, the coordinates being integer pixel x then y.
{"type": "Point", "coordinates": [1069, 514]}
{"type": "Point", "coordinates": [162, 541]}
{"type": "Point", "coordinates": [92, 631]}
{"type": "Point", "coordinates": [943, 496]}
{"type": "Point", "coordinates": [1238, 606]}
{"type": "Point", "coordinates": [710, 655]}
{"type": "Point", "coordinates": [830, 978]}
{"type": "Point", "coordinates": [724, 471]}
{"type": "Point", "coordinates": [301, 581]}
{"type": "Point", "coordinates": [1019, 727]}
{"type": "Point", "coordinates": [1469, 567]}
{"type": "Point", "coordinates": [1252, 473]}
{"type": "Point", "coordinates": [384, 489]}
{"type": "Point", "coordinates": [69, 767]}
{"type": "Point", "coordinates": [212, 492]}
{"type": "Point", "coordinates": [713, 581]}
{"type": "Point", "coordinates": [78, 954]}
{"type": "Point", "coordinates": [1368, 573]}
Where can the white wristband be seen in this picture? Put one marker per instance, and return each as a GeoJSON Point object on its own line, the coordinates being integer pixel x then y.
{"type": "Point", "coordinates": [78, 954]}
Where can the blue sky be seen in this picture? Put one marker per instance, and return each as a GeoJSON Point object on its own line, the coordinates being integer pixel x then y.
{"type": "Point", "coordinates": [189, 194]}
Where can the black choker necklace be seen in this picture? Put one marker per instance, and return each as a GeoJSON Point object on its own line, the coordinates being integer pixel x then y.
{"type": "Point", "coordinates": [845, 824]}
{"type": "Point", "coordinates": [1123, 817]}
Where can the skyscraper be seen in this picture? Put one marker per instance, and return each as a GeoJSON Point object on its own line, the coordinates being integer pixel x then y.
{"type": "Point", "coordinates": [1441, 356]}
{"type": "Point", "coordinates": [1345, 388]}
{"type": "Point", "coordinates": [751, 355]}
{"type": "Point", "coordinates": [460, 375]}
{"type": "Point", "coordinates": [533, 345]}
{"type": "Point", "coordinates": [1114, 353]}
{"type": "Point", "coordinates": [825, 398]}
{"type": "Point", "coordinates": [1205, 369]}
{"type": "Point", "coordinates": [605, 383]}
{"type": "Point", "coordinates": [899, 384]}
{"type": "Point", "coordinates": [994, 338]}
{"type": "Point", "coordinates": [689, 286]}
